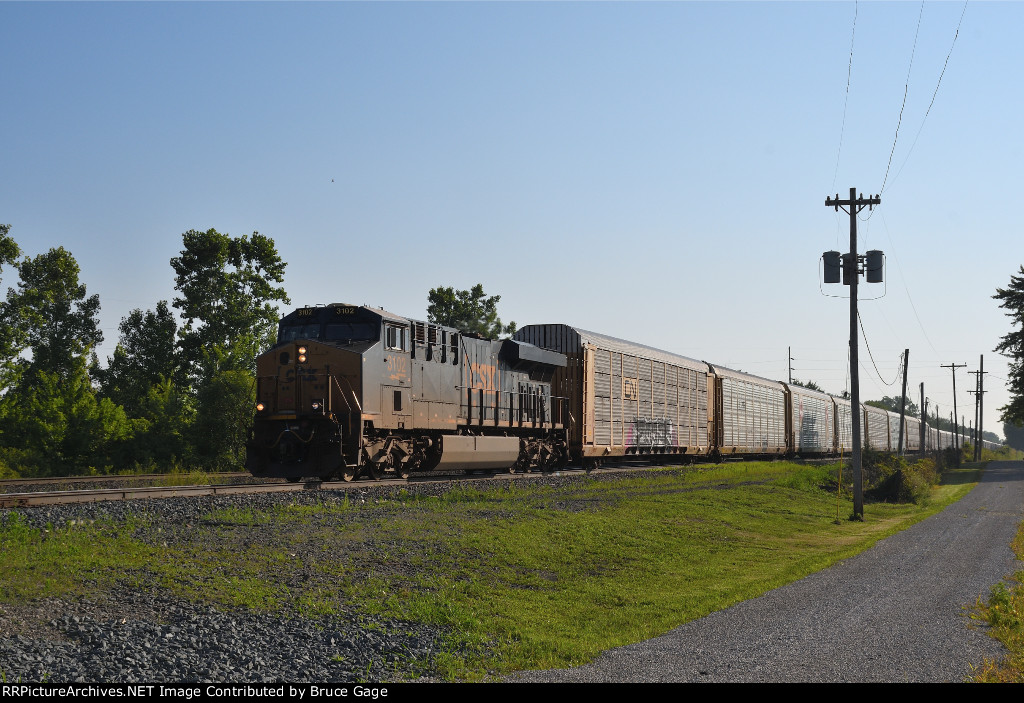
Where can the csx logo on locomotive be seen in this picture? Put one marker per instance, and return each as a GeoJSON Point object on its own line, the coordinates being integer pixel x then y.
{"type": "Point", "coordinates": [483, 376]}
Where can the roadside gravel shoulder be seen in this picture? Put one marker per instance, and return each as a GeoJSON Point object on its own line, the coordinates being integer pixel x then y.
{"type": "Point", "coordinates": [894, 613]}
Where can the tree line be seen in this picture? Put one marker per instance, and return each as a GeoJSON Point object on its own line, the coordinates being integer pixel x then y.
{"type": "Point", "coordinates": [174, 394]}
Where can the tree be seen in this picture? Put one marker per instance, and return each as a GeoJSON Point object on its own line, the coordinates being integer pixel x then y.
{"type": "Point", "coordinates": [1012, 347]}
{"type": "Point", "coordinates": [9, 251]}
{"type": "Point", "coordinates": [59, 425]}
{"type": "Point", "coordinates": [52, 312]}
{"type": "Point", "coordinates": [893, 405]}
{"type": "Point", "coordinates": [144, 356]}
{"type": "Point", "coordinates": [809, 385]}
{"type": "Point", "coordinates": [12, 338]}
{"type": "Point", "coordinates": [50, 413]}
{"type": "Point", "coordinates": [223, 418]}
{"type": "Point", "coordinates": [1014, 435]}
{"type": "Point", "coordinates": [228, 297]}
{"type": "Point", "coordinates": [470, 311]}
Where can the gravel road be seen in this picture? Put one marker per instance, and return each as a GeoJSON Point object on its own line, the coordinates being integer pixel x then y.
{"type": "Point", "coordinates": [894, 613]}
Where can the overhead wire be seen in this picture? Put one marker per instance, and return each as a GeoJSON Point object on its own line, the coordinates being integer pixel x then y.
{"type": "Point", "coordinates": [904, 280]}
{"type": "Point", "coordinates": [846, 100]}
{"type": "Point", "coordinates": [934, 94]}
{"type": "Point", "coordinates": [906, 88]}
{"type": "Point", "coordinates": [877, 372]}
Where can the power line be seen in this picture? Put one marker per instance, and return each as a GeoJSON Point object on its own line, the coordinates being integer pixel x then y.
{"type": "Point", "coordinates": [877, 372]}
{"type": "Point", "coordinates": [906, 87]}
{"type": "Point", "coordinates": [846, 100]}
{"type": "Point", "coordinates": [904, 280]}
{"type": "Point", "coordinates": [934, 94]}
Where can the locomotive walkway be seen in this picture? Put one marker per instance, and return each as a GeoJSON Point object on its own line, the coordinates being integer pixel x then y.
{"type": "Point", "coordinates": [891, 614]}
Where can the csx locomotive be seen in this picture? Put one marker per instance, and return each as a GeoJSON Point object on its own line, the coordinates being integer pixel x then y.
{"type": "Point", "coordinates": [352, 390]}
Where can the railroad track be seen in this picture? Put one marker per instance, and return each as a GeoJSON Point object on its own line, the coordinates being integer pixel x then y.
{"type": "Point", "coordinates": [140, 478]}
{"type": "Point", "coordinates": [25, 500]}
{"type": "Point", "coordinates": [39, 498]}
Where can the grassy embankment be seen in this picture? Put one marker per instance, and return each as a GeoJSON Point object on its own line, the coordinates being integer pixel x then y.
{"type": "Point", "coordinates": [520, 575]}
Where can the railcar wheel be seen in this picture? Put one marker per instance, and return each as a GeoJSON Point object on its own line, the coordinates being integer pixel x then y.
{"type": "Point", "coordinates": [403, 470]}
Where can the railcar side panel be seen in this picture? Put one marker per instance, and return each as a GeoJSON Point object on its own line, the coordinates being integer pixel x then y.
{"type": "Point", "coordinates": [812, 426]}
{"type": "Point", "coordinates": [876, 422]}
{"type": "Point", "coordinates": [751, 413]}
{"type": "Point", "coordinates": [627, 399]}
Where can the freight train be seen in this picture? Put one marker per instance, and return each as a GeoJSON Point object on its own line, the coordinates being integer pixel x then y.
{"type": "Point", "coordinates": [352, 391]}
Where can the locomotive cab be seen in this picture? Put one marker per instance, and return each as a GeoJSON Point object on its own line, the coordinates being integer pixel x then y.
{"type": "Point", "coordinates": [308, 393]}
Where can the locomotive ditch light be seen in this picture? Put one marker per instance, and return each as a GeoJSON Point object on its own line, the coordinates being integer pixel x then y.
{"type": "Point", "coordinates": [260, 407]}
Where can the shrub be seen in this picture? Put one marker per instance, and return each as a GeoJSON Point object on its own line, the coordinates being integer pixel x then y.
{"type": "Point", "coordinates": [890, 478]}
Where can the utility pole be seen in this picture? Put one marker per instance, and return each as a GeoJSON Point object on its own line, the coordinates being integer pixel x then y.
{"type": "Point", "coordinates": [924, 412]}
{"type": "Point", "coordinates": [956, 431]}
{"type": "Point", "coordinates": [981, 403]}
{"type": "Point", "coordinates": [903, 401]}
{"type": "Point", "coordinates": [789, 354]}
{"type": "Point", "coordinates": [979, 392]}
{"type": "Point", "coordinates": [851, 272]}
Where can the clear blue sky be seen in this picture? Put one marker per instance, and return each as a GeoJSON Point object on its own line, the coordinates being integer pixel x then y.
{"type": "Point", "coordinates": [652, 171]}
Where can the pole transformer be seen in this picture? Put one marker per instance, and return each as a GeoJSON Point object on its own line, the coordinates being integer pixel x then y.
{"type": "Point", "coordinates": [851, 272]}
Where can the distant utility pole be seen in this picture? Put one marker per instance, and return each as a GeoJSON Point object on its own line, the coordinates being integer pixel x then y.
{"type": "Point", "coordinates": [851, 272]}
{"type": "Point", "coordinates": [956, 430]}
{"type": "Point", "coordinates": [924, 414]}
{"type": "Point", "coordinates": [789, 354]}
{"type": "Point", "coordinates": [903, 401]}
{"type": "Point", "coordinates": [979, 404]}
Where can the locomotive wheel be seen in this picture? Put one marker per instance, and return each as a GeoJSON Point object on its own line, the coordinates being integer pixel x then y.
{"type": "Point", "coordinates": [373, 471]}
{"type": "Point", "coordinates": [294, 479]}
{"type": "Point", "coordinates": [326, 477]}
{"type": "Point", "coordinates": [403, 470]}
{"type": "Point", "coordinates": [348, 474]}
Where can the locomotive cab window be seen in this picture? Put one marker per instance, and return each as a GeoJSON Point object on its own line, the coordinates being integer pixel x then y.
{"type": "Point", "coordinates": [352, 332]}
{"type": "Point", "coordinates": [289, 333]}
{"type": "Point", "coordinates": [395, 338]}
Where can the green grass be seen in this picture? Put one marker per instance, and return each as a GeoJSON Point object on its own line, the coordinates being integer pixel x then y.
{"type": "Point", "coordinates": [521, 576]}
{"type": "Point", "coordinates": [1004, 614]}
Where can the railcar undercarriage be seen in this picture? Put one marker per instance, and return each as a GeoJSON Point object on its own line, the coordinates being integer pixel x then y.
{"type": "Point", "coordinates": [318, 448]}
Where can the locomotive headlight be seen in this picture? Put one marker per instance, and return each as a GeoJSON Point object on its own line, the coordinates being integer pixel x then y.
{"type": "Point", "coordinates": [302, 350]}
{"type": "Point", "coordinates": [302, 355]}
{"type": "Point", "coordinates": [260, 407]}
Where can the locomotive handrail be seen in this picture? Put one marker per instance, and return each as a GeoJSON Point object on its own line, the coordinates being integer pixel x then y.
{"type": "Point", "coordinates": [355, 398]}
{"type": "Point", "coordinates": [342, 392]}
